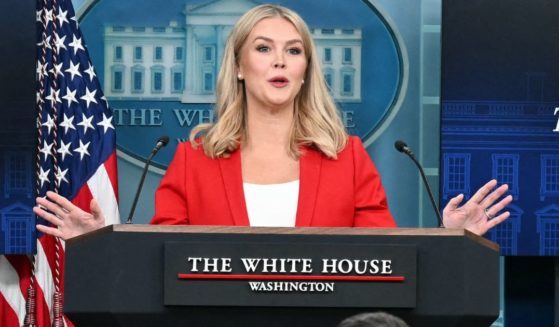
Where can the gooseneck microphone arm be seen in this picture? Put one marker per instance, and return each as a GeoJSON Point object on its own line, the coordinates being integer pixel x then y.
{"type": "Point", "coordinates": [161, 142]}
{"type": "Point", "coordinates": [401, 146]}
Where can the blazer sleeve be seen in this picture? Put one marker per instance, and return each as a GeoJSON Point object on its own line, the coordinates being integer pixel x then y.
{"type": "Point", "coordinates": [371, 206]}
{"type": "Point", "coordinates": [170, 198]}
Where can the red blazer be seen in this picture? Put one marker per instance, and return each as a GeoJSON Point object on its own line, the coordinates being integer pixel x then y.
{"type": "Point", "coordinates": [345, 192]}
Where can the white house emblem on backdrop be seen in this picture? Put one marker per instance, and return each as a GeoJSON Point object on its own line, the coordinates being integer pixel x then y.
{"type": "Point", "coordinates": [160, 68]}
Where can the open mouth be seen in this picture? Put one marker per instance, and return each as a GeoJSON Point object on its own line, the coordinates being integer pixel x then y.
{"type": "Point", "coordinates": [278, 81]}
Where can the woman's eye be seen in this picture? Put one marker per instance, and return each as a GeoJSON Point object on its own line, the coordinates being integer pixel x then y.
{"type": "Point", "coordinates": [262, 48]}
{"type": "Point", "coordinates": [295, 51]}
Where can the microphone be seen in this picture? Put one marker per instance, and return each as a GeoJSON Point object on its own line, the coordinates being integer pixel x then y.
{"type": "Point", "coordinates": [401, 146]}
{"type": "Point", "coordinates": [161, 142]}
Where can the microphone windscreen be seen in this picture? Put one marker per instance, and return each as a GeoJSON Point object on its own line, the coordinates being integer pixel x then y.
{"type": "Point", "coordinates": [164, 140]}
{"type": "Point", "coordinates": [400, 145]}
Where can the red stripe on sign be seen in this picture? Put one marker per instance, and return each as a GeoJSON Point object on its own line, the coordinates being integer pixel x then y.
{"type": "Point", "coordinates": [294, 277]}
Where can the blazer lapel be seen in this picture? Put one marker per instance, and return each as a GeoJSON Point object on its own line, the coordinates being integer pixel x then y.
{"type": "Point", "coordinates": [309, 177]}
{"type": "Point", "coordinates": [233, 183]}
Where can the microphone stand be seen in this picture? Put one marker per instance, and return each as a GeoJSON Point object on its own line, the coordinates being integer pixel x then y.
{"type": "Point", "coordinates": [160, 143]}
{"type": "Point", "coordinates": [403, 147]}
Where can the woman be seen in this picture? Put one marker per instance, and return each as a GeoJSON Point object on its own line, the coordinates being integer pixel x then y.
{"type": "Point", "coordinates": [278, 154]}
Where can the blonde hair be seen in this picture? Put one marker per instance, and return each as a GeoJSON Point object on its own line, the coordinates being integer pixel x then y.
{"type": "Point", "coordinates": [316, 120]}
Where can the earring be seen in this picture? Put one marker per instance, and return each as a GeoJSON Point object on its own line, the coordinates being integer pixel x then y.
{"type": "Point", "coordinates": [303, 82]}
{"type": "Point", "coordinates": [239, 76]}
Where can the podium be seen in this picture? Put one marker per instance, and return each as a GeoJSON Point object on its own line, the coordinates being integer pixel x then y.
{"type": "Point", "coordinates": [153, 275]}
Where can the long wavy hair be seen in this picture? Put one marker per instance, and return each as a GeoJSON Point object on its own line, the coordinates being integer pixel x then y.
{"type": "Point", "coordinates": [316, 122]}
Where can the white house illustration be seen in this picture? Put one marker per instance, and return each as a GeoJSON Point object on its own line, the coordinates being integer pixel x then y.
{"type": "Point", "coordinates": [180, 62]}
{"type": "Point", "coordinates": [18, 223]}
{"type": "Point", "coordinates": [548, 226]}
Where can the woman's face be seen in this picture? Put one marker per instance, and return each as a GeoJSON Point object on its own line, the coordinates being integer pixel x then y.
{"type": "Point", "coordinates": [273, 64]}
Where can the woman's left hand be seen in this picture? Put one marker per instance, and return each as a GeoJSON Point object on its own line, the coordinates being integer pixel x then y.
{"type": "Point", "coordinates": [480, 213]}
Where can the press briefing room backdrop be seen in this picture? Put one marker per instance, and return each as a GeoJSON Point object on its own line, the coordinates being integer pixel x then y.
{"type": "Point", "coordinates": [471, 85]}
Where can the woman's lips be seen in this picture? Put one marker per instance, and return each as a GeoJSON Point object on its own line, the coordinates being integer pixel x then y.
{"type": "Point", "coordinates": [278, 81]}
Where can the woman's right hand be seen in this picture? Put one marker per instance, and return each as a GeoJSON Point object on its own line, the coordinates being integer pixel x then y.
{"type": "Point", "coordinates": [68, 219]}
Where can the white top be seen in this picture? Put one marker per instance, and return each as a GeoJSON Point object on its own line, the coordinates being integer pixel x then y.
{"type": "Point", "coordinates": [272, 205]}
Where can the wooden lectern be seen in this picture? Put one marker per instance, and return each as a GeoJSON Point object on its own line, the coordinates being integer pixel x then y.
{"type": "Point", "coordinates": [149, 275]}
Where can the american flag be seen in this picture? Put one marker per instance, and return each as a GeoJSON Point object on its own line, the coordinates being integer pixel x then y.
{"type": "Point", "coordinates": [76, 157]}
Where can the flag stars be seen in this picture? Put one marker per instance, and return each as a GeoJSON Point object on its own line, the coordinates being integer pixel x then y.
{"type": "Point", "coordinates": [77, 44]}
{"type": "Point", "coordinates": [62, 17]}
{"type": "Point", "coordinates": [82, 149]}
{"type": "Point", "coordinates": [106, 123]}
{"type": "Point", "coordinates": [67, 123]}
{"type": "Point", "coordinates": [48, 15]}
{"type": "Point", "coordinates": [64, 149]}
{"type": "Point", "coordinates": [56, 70]}
{"type": "Point", "coordinates": [61, 175]}
{"type": "Point", "coordinates": [75, 21]}
{"type": "Point", "coordinates": [74, 105]}
{"type": "Point", "coordinates": [59, 42]}
{"type": "Point", "coordinates": [49, 123]}
{"type": "Point", "coordinates": [46, 150]}
{"type": "Point", "coordinates": [41, 69]}
{"type": "Point", "coordinates": [90, 71]}
{"type": "Point", "coordinates": [86, 123]}
{"type": "Point", "coordinates": [39, 98]}
{"type": "Point", "coordinates": [43, 176]}
{"type": "Point", "coordinates": [89, 96]}
{"type": "Point", "coordinates": [104, 98]}
{"type": "Point", "coordinates": [74, 70]}
{"type": "Point", "coordinates": [70, 96]}
{"type": "Point", "coordinates": [53, 97]}
{"type": "Point", "coordinates": [45, 43]}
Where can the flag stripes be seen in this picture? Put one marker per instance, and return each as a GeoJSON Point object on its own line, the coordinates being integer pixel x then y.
{"type": "Point", "coordinates": [76, 156]}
